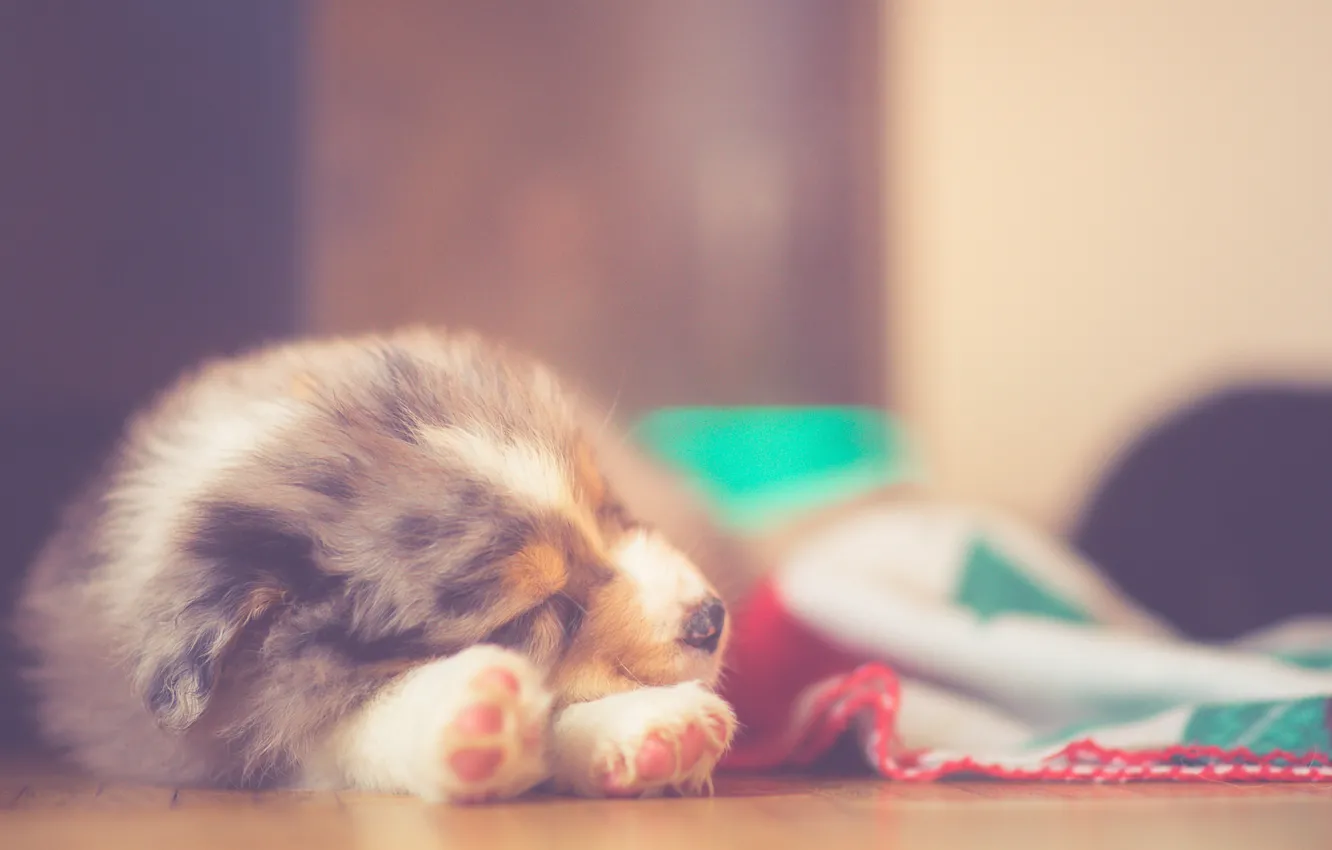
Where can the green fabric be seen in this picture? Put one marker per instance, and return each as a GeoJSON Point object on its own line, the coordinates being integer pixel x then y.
{"type": "Point", "coordinates": [760, 465]}
{"type": "Point", "coordinates": [992, 585]}
{"type": "Point", "coordinates": [1294, 726]}
{"type": "Point", "coordinates": [1313, 659]}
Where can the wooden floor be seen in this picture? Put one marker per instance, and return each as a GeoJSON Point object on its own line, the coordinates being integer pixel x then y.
{"type": "Point", "coordinates": [40, 808]}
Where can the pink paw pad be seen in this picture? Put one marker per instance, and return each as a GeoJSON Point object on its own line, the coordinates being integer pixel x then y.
{"type": "Point", "coordinates": [480, 724]}
{"type": "Point", "coordinates": [692, 744]}
{"type": "Point", "coordinates": [659, 759]}
{"type": "Point", "coordinates": [493, 722]}
{"type": "Point", "coordinates": [477, 764]}
{"type": "Point", "coordinates": [498, 679]}
{"type": "Point", "coordinates": [480, 719]}
{"type": "Point", "coordinates": [655, 760]}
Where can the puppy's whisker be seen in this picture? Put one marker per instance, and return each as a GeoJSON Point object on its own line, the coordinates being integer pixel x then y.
{"type": "Point", "coordinates": [610, 416]}
{"type": "Point", "coordinates": [615, 402]}
{"type": "Point", "coordinates": [572, 601]}
{"type": "Point", "coordinates": [629, 675]}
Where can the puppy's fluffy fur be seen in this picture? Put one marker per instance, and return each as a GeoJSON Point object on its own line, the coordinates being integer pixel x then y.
{"type": "Point", "coordinates": [408, 562]}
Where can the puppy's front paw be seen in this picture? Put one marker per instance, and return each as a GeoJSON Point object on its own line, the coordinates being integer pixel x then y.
{"type": "Point", "coordinates": [493, 739]}
{"type": "Point", "coordinates": [642, 743]}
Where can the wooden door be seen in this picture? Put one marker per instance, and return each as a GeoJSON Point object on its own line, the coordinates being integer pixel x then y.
{"type": "Point", "coordinates": [675, 200]}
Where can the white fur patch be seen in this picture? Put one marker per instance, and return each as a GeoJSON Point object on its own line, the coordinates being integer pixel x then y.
{"type": "Point", "coordinates": [523, 469]}
{"type": "Point", "coordinates": [667, 582]}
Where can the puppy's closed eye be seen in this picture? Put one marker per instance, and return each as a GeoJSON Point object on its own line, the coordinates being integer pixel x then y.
{"type": "Point", "coordinates": [521, 631]}
{"type": "Point", "coordinates": [544, 630]}
{"type": "Point", "coordinates": [613, 515]}
{"type": "Point", "coordinates": [468, 595]}
{"type": "Point", "coordinates": [570, 614]}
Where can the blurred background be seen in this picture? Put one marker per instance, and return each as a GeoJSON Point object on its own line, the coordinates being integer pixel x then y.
{"type": "Point", "coordinates": [1034, 230]}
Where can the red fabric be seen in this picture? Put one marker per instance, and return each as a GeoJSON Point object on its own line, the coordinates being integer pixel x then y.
{"type": "Point", "coordinates": [773, 659]}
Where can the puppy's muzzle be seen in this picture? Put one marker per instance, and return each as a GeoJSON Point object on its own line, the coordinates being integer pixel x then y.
{"type": "Point", "coordinates": [703, 627]}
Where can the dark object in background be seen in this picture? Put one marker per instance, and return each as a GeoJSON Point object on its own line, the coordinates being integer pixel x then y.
{"type": "Point", "coordinates": [148, 153]}
{"type": "Point", "coordinates": [1220, 518]}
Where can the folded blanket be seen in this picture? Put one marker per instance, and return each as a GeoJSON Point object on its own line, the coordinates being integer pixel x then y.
{"type": "Point", "coordinates": [951, 642]}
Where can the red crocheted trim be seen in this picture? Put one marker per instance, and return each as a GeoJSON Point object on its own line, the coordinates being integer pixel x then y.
{"type": "Point", "coordinates": [1237, 765]}
{"type": "Point", "coordinates": [871, 694]}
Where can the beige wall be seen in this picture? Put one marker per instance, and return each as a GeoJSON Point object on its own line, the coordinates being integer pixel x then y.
{"type": "Point", "coordinates": [1099, 205]}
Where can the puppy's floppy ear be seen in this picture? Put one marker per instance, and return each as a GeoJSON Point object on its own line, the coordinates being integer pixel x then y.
{"type": "Point", "coordinates": [239, 563]}
{"type": "Point", "coordinates": [179, 676]}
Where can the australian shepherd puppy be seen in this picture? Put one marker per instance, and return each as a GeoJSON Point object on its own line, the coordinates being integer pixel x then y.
{"type": "Point", "coordinates": [407, 563]}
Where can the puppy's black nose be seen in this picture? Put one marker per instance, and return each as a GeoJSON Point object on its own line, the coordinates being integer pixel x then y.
{"type": "Point", "coordinates": [703, 627]}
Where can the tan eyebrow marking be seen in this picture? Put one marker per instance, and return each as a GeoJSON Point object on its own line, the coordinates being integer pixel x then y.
{"type": "Point", "coordinates": [536, 571]}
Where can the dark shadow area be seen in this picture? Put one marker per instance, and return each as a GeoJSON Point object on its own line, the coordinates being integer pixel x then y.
{"type": "Point", "coordinates": [148, 153]}
{"type": "Point", "coordinates": [43, 458]}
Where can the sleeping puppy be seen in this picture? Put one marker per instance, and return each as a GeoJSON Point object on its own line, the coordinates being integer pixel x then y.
{"type": "Point", "coordinates": [398, 563]}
